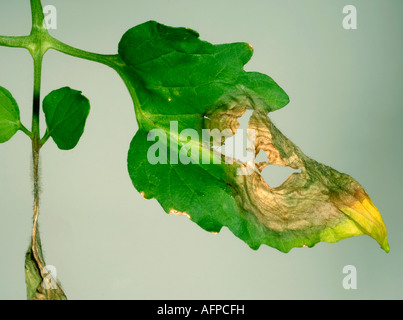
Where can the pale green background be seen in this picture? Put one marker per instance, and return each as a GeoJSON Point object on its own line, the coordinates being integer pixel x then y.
{"type": "Point", "coordinates": [108, 243]}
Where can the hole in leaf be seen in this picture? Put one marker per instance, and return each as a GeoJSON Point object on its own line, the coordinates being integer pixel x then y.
{"type": "Point", "coordinates": [276, 175]}
{"type": "Point", "coordinates": [261, 157]}
{"type": "Point", "coordinates": [236, 146]}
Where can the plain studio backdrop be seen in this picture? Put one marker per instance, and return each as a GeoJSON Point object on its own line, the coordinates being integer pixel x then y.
{"type": "Point", "coordinates": [107, 242]}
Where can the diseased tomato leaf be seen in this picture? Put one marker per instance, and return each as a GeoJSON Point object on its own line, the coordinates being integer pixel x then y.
{"type": "Point", "coordinates": [174, 77]}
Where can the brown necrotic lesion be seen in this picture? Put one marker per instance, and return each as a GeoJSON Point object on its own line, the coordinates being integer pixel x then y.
{"type": "Point", "coordinates": [313, 198]}
{"type": "Point", "coordinates": [302, 200]}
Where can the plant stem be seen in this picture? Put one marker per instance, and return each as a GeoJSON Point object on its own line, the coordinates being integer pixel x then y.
{"type": "Point", "coordinates": [37, 15]}
{"type": "Point", "coordinates": [38, 46]}
{"type": "Point", "coordinates": [111, 60]}
{"type": "Point", "coordinates": [37, 55]}
{"type": "Point", "coordinates": [15, 42]}
{"type": "Point", "coordinates": [35, 242]}
{"type": "Point", "coordinates": [36, 99]}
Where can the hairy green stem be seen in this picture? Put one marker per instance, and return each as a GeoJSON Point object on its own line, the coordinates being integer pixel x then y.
{"type": "Point", "coordinates": [37, 46]}
{"type": "Point", "coordinates": [37, 55]}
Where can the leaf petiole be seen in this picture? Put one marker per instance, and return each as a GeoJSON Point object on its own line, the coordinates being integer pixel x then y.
{"type": "Point", "coordinates": [15, 42]}
{"type": "Point", "coordinates": [26, 131]}
{"type": "Point", "coordinates": [111, 60]}
{"type": "Point", "coordinates": [45, 138]}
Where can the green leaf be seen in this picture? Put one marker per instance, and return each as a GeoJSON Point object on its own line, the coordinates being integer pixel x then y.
{"type": "Point", "coordinates": [66, 111]}
{"type": "Point", "coordinates": [174, 73]}
{"type": "Point", "coordinates": [9, 115]}
{"type": "Point", "coordinates": [174, 77]}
